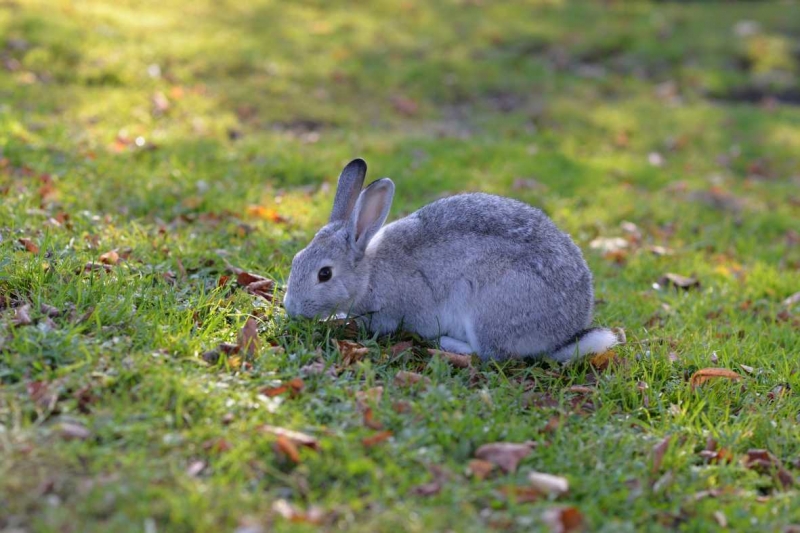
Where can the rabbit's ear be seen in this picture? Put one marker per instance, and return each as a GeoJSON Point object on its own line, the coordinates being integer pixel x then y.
{"type": "Point", "coordinates": [350, 182]}
{"type": "Point", "coordinates": [370, 213]}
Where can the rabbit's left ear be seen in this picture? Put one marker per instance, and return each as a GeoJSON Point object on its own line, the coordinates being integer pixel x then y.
{"type": "Point", "coordinates": [370, 212]}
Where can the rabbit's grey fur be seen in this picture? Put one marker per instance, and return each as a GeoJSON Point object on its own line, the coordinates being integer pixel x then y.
{"type": "Point", "coordinates": [478, 272]}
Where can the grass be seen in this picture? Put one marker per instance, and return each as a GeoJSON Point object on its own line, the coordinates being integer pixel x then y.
{"type": "Point", "coordinates": [186, 135]}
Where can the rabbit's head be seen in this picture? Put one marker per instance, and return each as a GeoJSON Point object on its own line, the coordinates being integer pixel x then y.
{"type": "Point", "coordinates": [330, 274]}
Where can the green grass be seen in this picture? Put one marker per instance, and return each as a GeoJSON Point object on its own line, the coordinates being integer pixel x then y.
{"type": "Point", "coordinates": [245, 112]}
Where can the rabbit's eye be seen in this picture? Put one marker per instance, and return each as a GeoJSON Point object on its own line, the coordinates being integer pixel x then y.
{"type": "Point", "coordinates": [324, 274]}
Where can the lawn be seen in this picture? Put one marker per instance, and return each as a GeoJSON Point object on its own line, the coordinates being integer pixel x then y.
{"type": "Point", "coordinates": [156, 157]}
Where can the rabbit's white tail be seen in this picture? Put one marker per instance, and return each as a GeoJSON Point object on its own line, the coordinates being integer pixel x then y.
{"type": "Point", "coordinates": [588, 341]}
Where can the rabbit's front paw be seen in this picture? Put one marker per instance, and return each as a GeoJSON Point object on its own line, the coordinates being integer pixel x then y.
{"type": "Point", "coordinates": [449, 344]}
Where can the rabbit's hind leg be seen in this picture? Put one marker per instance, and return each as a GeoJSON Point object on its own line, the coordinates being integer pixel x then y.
{"type": "Point", "coordinates": [449, 344]}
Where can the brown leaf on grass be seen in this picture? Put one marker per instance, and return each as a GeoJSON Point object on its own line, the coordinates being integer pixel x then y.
{"type": "Point", "coordinates": [520, 494]}
{"type": "Point", "coordinates": [434, 487]}
{"type": "Point", "coordinates": [658, 453]}
{"type": "Point", "coordinates": [376, 438]}
{"type": "Point", "coordinates": [408, 379]}
{"type": "Point", "coordinates": [222, 281]}
{"type": "Point", "coordinates": [266, 213]}
{"type": "Point", "coordinates": [371, 396]}
{"type": "Point", "coordinates": [22, 316]}
{"type": "Point", "coordinates": [400, 347]}
{"type": "Point", "coordinates": [294, 386]}
{"type": "Point", "coordinates": [794, 299]}
{"type": "Point", "coordinates": [456, 359]}
{"type": "Point", "coordinates": [29, 245]}
{"type": "Point", "coordinates": [705, 374]}
{"type": "Point", "coordinates": [763, 462]}
{"type": "Point", "coordinates": [351, 352]}
{"type": "Point", "coordinates": [314, 515]}
{"type": "Point", "coordinates": [552, 424]}
{"type": "Point", "coordinates": [218, 445]}
{"type": "Point", "coordinates": [602, 361]}
{"type": "Point", "coordinates": [679, 282]}
{"type": "Point", "coordinates": [43, 394]}
{"type": "Point", "coordinates": [248, 337]}
{"type": "Point", "coordinates": [370, 421]}
{"type": "Point", "coordinates": [287, 447]}
{"type": "Point", "coordinates": [110, 258]}
{"type": "Point", "coordinates": [274, 391]}
{"type": "Point", "coordinates": [49, 310]}
{"type": "Point", "coordinates": [318, 368]}
{"type": "Point", "coordinates": [212, 356]}
{"type": "Point", "coordinates": [405, 105]}
{"type": "Point", "coordinates": [195, 468]}
{"type": "Point", "coordinates": [95, 267]}
{"type": "Point", "coordinates": [295, 436]}
{"type": "Point", "coordinates": [73, 431]}
{"type": "Point", "coordinates": [401, 407]}
{"type": "Point", "coordinates": [253, 283]}
{"type": "Point", "coordinates": [548, 483]}
{"type": "Point", "coordinates": [480, 468]}
{"type": "Point", "coordinates": [246, 278]}
{"type": "Point", "coordinates": [506, 455]}
{"type": "Point", "coordinates": [563, 519]}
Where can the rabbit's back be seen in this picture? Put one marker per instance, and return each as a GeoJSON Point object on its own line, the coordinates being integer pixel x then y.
{"type": "Point", "coordinates": [499, 228]}
{"type": "Point", "coordinates": [484, 266]}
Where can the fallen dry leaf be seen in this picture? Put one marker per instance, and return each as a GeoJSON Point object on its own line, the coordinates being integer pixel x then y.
{"type": "Point", "coordinates": [480, 468]}
{"type": "Point", "coordinates": [248, 337]}
{"type": "Point", "coordinates": [705, 374]}
{"type": "Point", "coordinates": [73, 431]}
{"type": "Point", "coordinates": [506, 455]}
{"type": "Point", "coordinates": [253, 283]}
{"type": "Point", "coordinates": [376, 438]}
{"type": "Point", "coordinates": [295, 436]}
{"type": "Point", "coordinates": [22, 316]}
{"type": "Point", "coordinates": [287, 447]}
{"type": "Point", "coordinates": [29, 245]}
{"type": "Point", "coordinates": [314, 515]}
{"type": "Point", "coordinates": [110, 258]}
{"type": "Point", "coordinates": [43, 394]}
{"type": "Point", "coordinates": [609, 245]}
{"type": "Point", "coordinates": [266, 213]}
{"type": "Point", "coordinates": [408, 379]}
{"type": "Point", "coordinates": [370, 421]}
{"type": "Point", "coordinates": [218, 445]}
{"type": "Point", "coordinates": [563, 519]}
{"type": "Point", "coordinates": [658, 453]}
{"type": "Point", "coordinates": [405, 105]}
{"type": "Point", "coordinates": [400, 347]}
{"type": "Point", "coordinates": [455, 359]}
{"type": "Point", "coordinates": [764, 462]}
{"type": "Point", "coordinates": [95, 267]}
{"type": "Point", "coordinates": [318, 368]}
{"type": "Point", "coordinates": [351, 352]}
{"type": "Point", "coordinates": [49, 310]}
{"type": "Point", "coordinates": [548, 483]}
{"type": "Point", "coordinates": [794, 299]}
{"type": "Point", "coordinates": [434, 487]}
{"type": "Point", "coordinates": [520, 494]}
{"type": "Point", "coordinates": [679, 282]}
{"type": "Point", "coordinates": [195, 468]}
{"type": "Point", "coordinates": [373, 395]}
{"type": "Point", "coordinates": [602, 361]}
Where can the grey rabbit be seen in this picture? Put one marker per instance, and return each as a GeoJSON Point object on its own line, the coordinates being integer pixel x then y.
{"type": "Point", "coordinates": [481, 273]}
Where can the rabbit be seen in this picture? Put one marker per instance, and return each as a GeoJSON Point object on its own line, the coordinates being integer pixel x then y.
{"type": "Point", "coordinates": [480, 273]}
